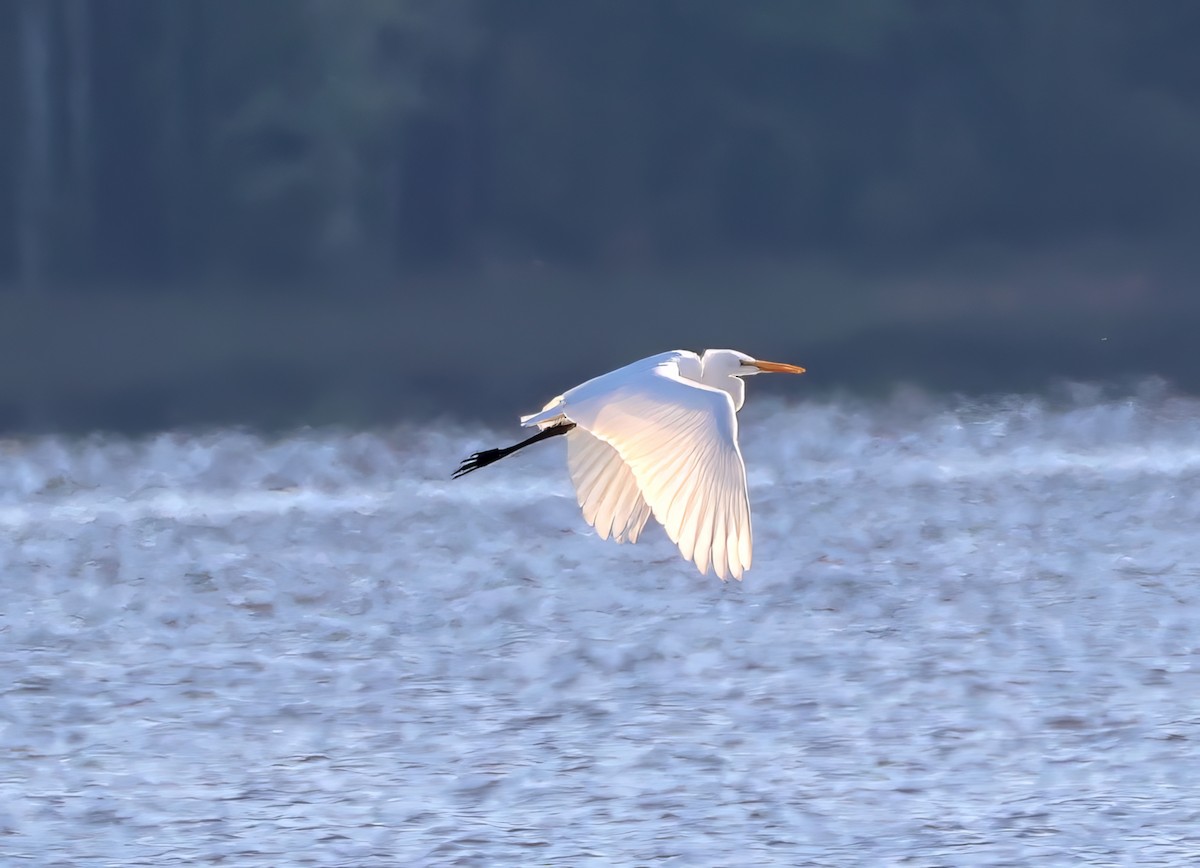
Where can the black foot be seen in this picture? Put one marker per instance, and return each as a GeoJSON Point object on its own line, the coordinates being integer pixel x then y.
{"type": "Point", "coordinates": [479, 459]}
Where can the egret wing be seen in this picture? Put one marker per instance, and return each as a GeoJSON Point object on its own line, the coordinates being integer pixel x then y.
{"type": "Point", "coordinates": [678, 440]}
{"type": "Point", "coordinates": [607, 492]}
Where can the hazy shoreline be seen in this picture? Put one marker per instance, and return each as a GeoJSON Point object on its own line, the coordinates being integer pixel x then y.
{"type": "Point", "coordinates": [489, 346]}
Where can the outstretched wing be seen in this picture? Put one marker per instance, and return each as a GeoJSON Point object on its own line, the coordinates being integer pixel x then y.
{"type": "Point", "coordinates": [678, 440]}
{"type": "Point", "coordinates": [607, 492]}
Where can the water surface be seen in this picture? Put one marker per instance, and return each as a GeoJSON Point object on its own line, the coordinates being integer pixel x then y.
{"type": "Point", "coordinates": [969, 638]}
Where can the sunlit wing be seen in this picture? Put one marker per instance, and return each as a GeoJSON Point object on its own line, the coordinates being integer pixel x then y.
{"type": "Point", "coordinates": [608, 494]}
{"type": "Point", "coordinates": [678, 439]}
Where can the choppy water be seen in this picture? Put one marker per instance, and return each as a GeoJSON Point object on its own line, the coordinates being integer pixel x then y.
{"type": "Point", "coordinates": [970, 638]}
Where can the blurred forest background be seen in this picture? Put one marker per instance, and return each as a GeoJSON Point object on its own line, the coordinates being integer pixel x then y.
{"type": "Point", "coordinates": [284, 212]}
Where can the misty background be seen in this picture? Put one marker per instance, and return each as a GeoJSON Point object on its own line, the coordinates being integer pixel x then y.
{"type": "Point", "coordinates": [295, 212]}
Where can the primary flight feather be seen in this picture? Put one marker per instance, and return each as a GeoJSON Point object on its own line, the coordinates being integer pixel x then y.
{"type": "Point", "coordinates": [659, 437]}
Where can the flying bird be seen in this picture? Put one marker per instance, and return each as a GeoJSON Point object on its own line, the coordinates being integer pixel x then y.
{"type": "Point", "coordinates": [658, 437]}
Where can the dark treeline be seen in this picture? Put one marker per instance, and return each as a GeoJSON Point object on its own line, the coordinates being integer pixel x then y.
{"type": "Point", "coordinates": [158, 143]}
{"type": "Point", "coordinates": [277, 212]}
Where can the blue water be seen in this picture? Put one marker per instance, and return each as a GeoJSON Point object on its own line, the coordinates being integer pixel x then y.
{"type": "Point", "coordinates": [970, 637]}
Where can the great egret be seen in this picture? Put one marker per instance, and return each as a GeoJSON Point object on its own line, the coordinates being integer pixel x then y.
{"type": "Point", "coordinates": [659, 436]}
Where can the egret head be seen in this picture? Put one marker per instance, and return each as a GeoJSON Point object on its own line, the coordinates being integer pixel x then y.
{"type": "Point", "coordinates": [732, 363]}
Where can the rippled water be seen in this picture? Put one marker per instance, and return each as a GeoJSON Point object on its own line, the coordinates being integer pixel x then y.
{"type": "Point", "coordinates": [970, 638]}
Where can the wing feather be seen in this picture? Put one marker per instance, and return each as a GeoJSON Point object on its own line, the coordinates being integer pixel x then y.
{"type": "Point", "coordinates": [637, 521]}
{"type": "Point", "coordinates": [605, 488]}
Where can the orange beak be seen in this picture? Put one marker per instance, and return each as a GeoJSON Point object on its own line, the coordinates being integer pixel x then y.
{"type": "Point", "coordinates": [776, 367]}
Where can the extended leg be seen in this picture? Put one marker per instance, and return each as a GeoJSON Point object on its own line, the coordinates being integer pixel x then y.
{"type": "Point", "coordinates": [489, 456]}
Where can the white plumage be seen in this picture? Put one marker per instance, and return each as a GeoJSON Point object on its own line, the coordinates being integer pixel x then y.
{"type": "Point", "coordinates": [659, 437]}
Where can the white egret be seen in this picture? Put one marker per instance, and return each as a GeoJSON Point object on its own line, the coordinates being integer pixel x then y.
{"type": "Point", "coordinates": [659, 437]}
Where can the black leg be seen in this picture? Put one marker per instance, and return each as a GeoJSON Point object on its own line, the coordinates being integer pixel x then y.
{"type": "Point", "coordinates": [490, 456]}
